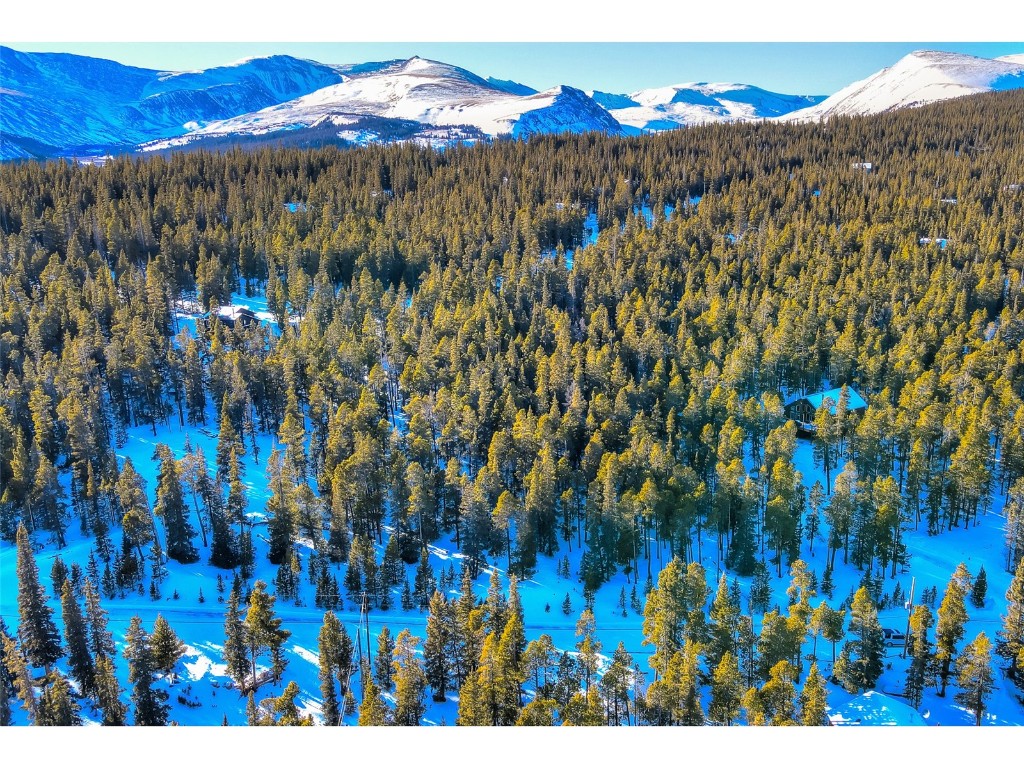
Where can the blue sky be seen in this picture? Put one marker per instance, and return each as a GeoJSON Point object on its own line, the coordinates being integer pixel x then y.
{"type": "Point", "coordinates": [804, 68]}
{"type": "Point", "coordinates": [621, 47]}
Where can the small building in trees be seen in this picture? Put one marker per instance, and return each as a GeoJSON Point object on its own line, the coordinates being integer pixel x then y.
{"type": "Point", "coordinates": [802, 408]}
{"type": "Point", "coordinates": [233, 314]}
{"type": "Point", "coordinates": [874, 708]}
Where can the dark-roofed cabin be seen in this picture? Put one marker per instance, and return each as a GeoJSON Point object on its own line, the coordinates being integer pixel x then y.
{"type": "Point", "coordinates": [802, 408]}
{"type": "Point", "coordinates": [232, 314]}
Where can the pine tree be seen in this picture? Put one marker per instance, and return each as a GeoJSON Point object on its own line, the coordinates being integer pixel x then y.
{"type": "Point", "coordinates": [980, 589]}
{"type": "Point", "coordinates": [410, 680]}
{"type": "Point", "coordinates": [137, 521]}
{"type": "Point", "coordinates": [101, 641]}
{"type": "Point", "coordinates": [538, 712]}
{"type": "Point", "coordinates": [37, 634]}
{"type": "Point", "coordinates": [57, 706]}
{"type": "Point", "coordinates": [293, 436]}
{"type": "Point", "coordinates": [724, 615]}
{"type": "Point", "coordinates": [195, 392]}
{"type": "Point", "coordinates": [252, 714]}
{"type": "Point", "coordinates": [374, 711]}
{"type": "Point", "coordinates": [285, 709]}
{"type": "Point", "coordinates": [225, 545]}
{"type": "Point", "coordinates": [335, 649]}
{"type": "Point", "coordinates": [584, 710]}
{"type": "Point", "coordinates": [778, 695]}
{"type": "Point", "coordinates": [760, 588]}
{"type": "Point", "coordinates": [974, 676]}
{"type": "Point", "coordinates": [170, 507]}
{"type": "Point", "coordinates": [816, 502]}
{"type": "Point", "coordinates": [437, 660]}
{"type": "Point", "coordinates": [80, 661]}
{"type": "Point", "coordinates": [726, 690]}
{"type": "Point", "coordinates": [390, 569]}
{"type": "Point", "coordinates": [675, 610]}
{"type": "Point", "coordinates": [813, 699]}
{"type": "Point", "coordinates": [235, 640]}
{"type": "Point", "coordinates": [1014, 511]}
{"type": "Point", "coordinates": [507, 673]}
{"type": "Point", "coordinates": [166, 646]}
{"type": "Point", "coordinates": [779, 641]}
{"type": "Point", "coordinates": [48, 497]}
{"type": "Point", "coordinates": [7, 678]}
{"type": "Point", "coordinates": [832, 627]}
{"type": "Point", "coordinates": [615, 685]}
{"type": "Point", "coordinates": [21, 678]}
{"type": "Point", "coordinates": [263, 632]}
{"type": "Point", "coordinates": [424, 583]}
{"type": "Point", "coordinates": [228, 440]}
{"type": "Point", "coordinates": [495, 604]}
{"type": "Point", "coordinates": [150, 703]}
{"type": "Point", "coordinates": [1011, 638]}
{"type": "Point", "coordinates": [921, 620]}
{"type": "Point", "coordinates": [746, 650]}
{"type": "Point", "coordinates": [588, 647]}
{"type": "Point", "coordinates": [382, 661]}
{"type": "Point", "coordinates": [280, 508]}
{"type": "Point", "coordinates": [952, 619]}
{"type": "Point", "coordinates": [862, 657]}
{"type": "Point", "coordinates": [108, 692]}
{"type": "Point", "coordinates": [58, 575]}
{"type": "Point", "coordinates": [6, 693]}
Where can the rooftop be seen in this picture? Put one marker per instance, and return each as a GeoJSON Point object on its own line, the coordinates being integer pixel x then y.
{"type": "Point", "coordinates": [817, 398]}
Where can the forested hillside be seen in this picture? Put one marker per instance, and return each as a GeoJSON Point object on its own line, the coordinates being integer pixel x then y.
{"type": "Point", "coordinates": [489, 447]}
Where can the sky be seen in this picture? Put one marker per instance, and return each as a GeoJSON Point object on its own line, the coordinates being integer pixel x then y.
{"type": "Point", "coordinates": [797, 68]}
{"type": "Point", "coordinates": [778, 45]}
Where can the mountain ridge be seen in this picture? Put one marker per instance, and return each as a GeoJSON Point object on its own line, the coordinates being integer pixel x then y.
{"type": "Point", "coordinates": [921, 77]}
{"type": "Point", "coordinates": [51, 106]}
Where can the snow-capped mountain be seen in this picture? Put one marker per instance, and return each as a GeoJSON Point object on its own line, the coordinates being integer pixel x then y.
{"type": "Point", "coordinates": [427, 92]}
{"type": "Point", "coordinates": [919, 78]}
{"type": "Point", "coordinates": [55, 103]}
{"type": "Point", "coordinates": [658, 109]}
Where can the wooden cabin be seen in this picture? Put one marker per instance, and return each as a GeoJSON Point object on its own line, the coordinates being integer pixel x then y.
{"type": "Point", "coordinates": [802, 408]}
{"type": "Point", "coordinates": [233, 314]}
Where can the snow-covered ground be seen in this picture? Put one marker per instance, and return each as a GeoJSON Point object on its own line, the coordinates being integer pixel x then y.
{"type": "Point", "coordinates": [202, 677]}
{"type": "Point", "coordinates": [200, 692]}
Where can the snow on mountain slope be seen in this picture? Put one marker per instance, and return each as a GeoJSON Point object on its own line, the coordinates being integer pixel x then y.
{"type": "Point", "coordinates": [67, 103]}
{"type": "Point", "coordinates": [919, 78]}
{"type": "Point", "coordinates": [655, 109]}
{"type": "Point", "coordinates": [53, 98]}
{"type": "Point", "coordinates": [511, 86]}
{"type": "Point", "coordinates": [54, 104]}
{"type": "Point", "coordinates": [427, 92]}
{"type": "Point", "coordinates": [281, 76]}
{"type": "Point", "coordinates": [612, 100]}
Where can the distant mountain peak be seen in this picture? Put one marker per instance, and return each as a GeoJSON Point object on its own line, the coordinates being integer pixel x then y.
{"type": "Point", "coordinates": [694, 103]}
{"type": "Point", "coordinates": [920, 77]}
{"type": "Point", "coordinates": [58, 104]}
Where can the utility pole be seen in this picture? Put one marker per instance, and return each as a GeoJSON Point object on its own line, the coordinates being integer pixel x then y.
{"type": "Point", "coordinates": [364, 617]}
{"type": "Point", "coordinates": [359, 643]}
{"type": "Point", "coordinates": [910, 610]}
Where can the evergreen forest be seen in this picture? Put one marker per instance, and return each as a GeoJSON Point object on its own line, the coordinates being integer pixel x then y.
{"type": "Point", "coordinates": [504, 439]}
